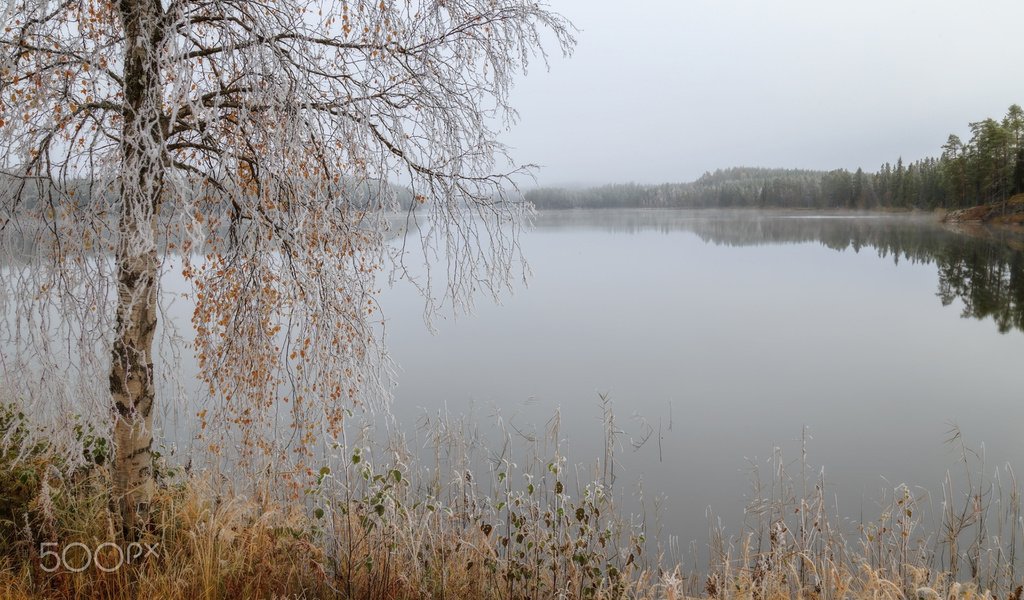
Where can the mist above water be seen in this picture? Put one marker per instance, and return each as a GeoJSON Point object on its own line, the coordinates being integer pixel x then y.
{"type": "Point", "coordinates": [724, 335]}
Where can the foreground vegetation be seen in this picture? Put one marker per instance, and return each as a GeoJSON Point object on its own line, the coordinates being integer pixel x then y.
{"type": "Point", "coordinates": [987, 168]}
{"type": "Point", "coordinates": [392, 529]}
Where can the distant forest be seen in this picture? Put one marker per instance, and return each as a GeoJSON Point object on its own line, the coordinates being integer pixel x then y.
{"type": "Point", "coordinates": [988, 168]}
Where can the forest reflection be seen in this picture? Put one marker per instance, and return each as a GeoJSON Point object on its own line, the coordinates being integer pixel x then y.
{"type": "Point", "coordinates": [981, 267]}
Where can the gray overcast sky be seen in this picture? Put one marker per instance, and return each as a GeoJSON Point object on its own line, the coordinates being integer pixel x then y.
{"type": "Point", "coordinates": [663, 90]}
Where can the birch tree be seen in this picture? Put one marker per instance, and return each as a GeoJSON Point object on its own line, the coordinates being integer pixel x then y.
{"type": "Point", "coordinates": [263, 143]}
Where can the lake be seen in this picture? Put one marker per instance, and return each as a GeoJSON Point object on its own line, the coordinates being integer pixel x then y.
{"type": "Point", "coordinates": [720, 336]}
{"type": "Point", "coordinates": [721, 342]}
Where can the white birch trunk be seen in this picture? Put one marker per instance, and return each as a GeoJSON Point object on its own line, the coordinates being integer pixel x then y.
{"type": "Point", "coordinates": [132, 386]}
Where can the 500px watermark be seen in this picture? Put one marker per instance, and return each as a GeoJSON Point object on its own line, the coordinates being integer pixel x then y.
{"type": "Point", "coordinates": [107, 557]}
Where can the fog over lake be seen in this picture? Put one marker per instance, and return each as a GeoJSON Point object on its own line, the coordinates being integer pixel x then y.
{"type": "Point", "coordinates": [731, 332]}
{"type": "Point", "coordinates": [512, 299]}
{"type": "Point", "coordinates": [717, 337]}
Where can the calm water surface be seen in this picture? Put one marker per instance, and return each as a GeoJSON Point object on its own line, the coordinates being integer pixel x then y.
{"type": "Point", "coordinates": [729, 333]}
{"type": "Point", "coordinates": [718, 337]}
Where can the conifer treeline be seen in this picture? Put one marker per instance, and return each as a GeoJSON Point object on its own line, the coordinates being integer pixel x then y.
{"type": "Point", "coordinates": [988, 168]}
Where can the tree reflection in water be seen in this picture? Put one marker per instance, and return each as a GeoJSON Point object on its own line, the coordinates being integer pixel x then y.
{"type": "Point", "coordinates": [981, 267]}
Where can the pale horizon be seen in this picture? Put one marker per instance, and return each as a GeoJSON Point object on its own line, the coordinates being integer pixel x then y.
{"type": "Point", "coordinates": [666, 91]}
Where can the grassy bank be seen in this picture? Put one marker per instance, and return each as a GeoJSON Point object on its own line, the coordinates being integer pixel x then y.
{"type": "Point", "coordinates": [380, 525]}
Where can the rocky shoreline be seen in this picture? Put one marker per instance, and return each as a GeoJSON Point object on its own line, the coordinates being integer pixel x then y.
{"type": "Point", "coordinates": [1009, 213]}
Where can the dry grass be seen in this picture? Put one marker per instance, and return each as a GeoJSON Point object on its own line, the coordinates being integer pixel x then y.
{"type": "Point", "coordinates": [213, 545]}
{"type": "Point", "coordinates": [208, 546]}
{"type": "Point", "coordinates": [385, 530]}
